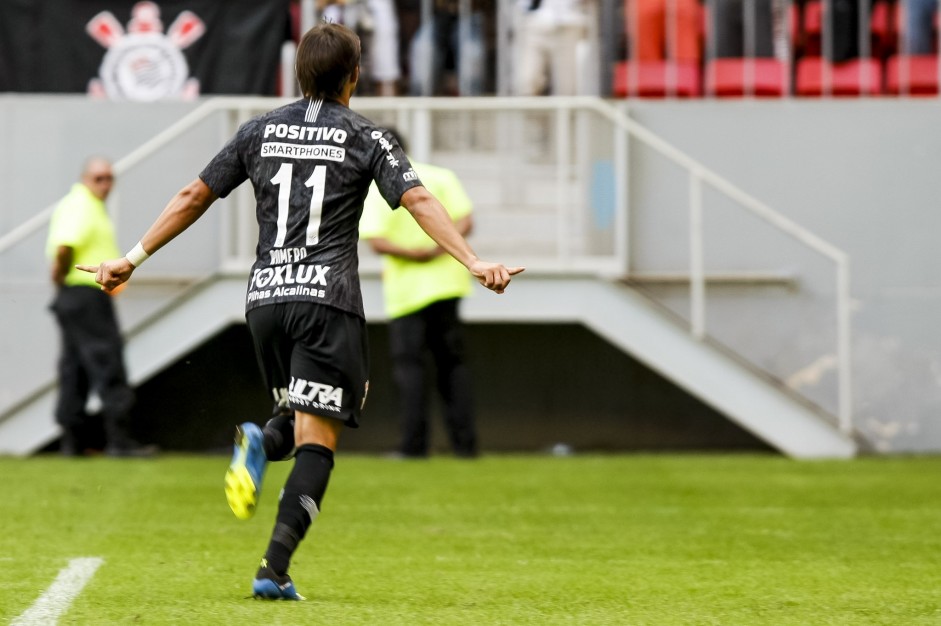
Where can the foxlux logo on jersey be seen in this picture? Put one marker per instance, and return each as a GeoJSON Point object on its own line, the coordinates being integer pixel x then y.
{"type": "Point", "coordinates": [304, 133]}
{"type": "Point", "coordinates": [288, 280]}
{"type": "Point", "coordinates": [316, 395]}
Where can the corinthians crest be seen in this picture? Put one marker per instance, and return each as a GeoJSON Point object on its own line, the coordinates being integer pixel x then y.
{"type": "Point", "coordinates": [143, 64]}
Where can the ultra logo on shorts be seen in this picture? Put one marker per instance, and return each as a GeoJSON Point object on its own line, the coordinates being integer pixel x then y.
{"type": "Point", "coordinates": [315, 395]}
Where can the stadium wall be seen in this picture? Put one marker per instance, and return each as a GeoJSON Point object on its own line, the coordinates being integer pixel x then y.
{"type": "Point", "coordinates": [861, 174]}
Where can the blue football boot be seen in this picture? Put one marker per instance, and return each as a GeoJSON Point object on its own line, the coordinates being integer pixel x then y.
{"type": "Point", "coordinates": [269, 586]}
{"type": "Point", "coordinates": [243, 478]}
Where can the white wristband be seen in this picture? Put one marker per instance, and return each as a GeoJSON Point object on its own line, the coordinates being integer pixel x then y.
{"type": "Point", "coordinates": [137, 255]}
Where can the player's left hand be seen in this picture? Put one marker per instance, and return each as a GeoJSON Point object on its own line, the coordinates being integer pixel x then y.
{"type": "Point", "coordinates": [110, 274]}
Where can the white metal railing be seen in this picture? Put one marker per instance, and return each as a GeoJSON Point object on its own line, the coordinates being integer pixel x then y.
{"type": "Point", "coordinates": [121, 166]}
{"type": "Point", "coordinates": [415, 112]}
{"type": "Point", "coordinates": [700, 175]}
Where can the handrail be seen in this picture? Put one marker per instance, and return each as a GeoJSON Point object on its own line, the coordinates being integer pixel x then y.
{"type": "Point", "coordinates": [699, 175]}
{"type": "Point", "coordinates": [120, 166]}
{"type": "Point", "coordinates": [456, 104]}
{"type": "Point", "coordinates": [27, 228]}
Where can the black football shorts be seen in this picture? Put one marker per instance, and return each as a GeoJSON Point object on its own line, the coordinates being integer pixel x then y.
{"type": "Point", "coordinates": [313, 358]}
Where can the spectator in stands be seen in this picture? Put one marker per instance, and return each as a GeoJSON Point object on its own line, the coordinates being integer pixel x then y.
{"type": "Point", "coordinates": [436, 64]}
{"type": "Point", "coordinates": [92, 348]}
{"type": "Point", "coordinates": [423, 288]}
{"type": "Point", "coordinates": [742, 29]}
{"type": "Point", "coordinates": [655, 34]}
{"type": "Point", "coordinates": [408, 13]}
{"type": "Point", "coordinates": [376, 23]}
{"type": "Point", "coordinates": [551, 35]}
{"type": "Point", "coordinates": [844, 30]}
{"type": "Point", "coordinates": [919, 26]}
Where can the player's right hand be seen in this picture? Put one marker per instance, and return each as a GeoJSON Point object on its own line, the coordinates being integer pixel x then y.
{"type": "Point", "coordinates": [110, 274]}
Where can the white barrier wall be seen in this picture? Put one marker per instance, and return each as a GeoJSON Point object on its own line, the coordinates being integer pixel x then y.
{"type": "Point", "coordinates": [857, 173]}
{"type": "Point", "coordinates": [862, 174]}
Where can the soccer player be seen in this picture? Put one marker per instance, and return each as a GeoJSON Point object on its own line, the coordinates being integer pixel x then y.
{"type": "Point", "coordinates": [311, 163]}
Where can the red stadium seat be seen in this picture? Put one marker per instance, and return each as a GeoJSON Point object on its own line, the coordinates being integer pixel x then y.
{"type": "Point", "coordinates": [850, 78]}
{"type": "Point", "coordinates": [657, 79]}
{"type": "Point", "coordinates": [729, 78]}
{"type": "Point", "coordinates": [915, 75]}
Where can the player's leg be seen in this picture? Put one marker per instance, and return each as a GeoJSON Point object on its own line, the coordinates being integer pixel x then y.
{"type": "Point", "coordinates": [254, 447]}
{"type": "Point", "coordinates": [407, 349]}
{"type": "Point", "coordinates": [446, 343]}
{"type": "Point", "coordinates": [301, 498]}
{"type": "Point", "coordinates": [329, 368]}
{"type": "Point", "coordinates": [279, 434]}
{"type": "Point", "coordinates": [246, 471]}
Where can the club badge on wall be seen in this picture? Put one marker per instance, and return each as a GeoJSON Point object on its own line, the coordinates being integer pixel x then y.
{"type": "Point", "coordinates": [143, 64]}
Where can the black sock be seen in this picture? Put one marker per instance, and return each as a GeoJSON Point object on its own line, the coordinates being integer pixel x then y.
{"type": "Point", "coordinates": [279, 437]}
{"type": "Point", "coordinates": [300, 503]}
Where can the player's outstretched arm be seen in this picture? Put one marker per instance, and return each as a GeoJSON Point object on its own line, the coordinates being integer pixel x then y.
{"type": "Point", "coordinates": [181, 212]}
{"type": "Point", "coordinates": [434, 220]}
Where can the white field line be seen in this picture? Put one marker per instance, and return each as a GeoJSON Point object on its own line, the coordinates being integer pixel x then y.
{"type": "Point", "coordinates": [56, 600]}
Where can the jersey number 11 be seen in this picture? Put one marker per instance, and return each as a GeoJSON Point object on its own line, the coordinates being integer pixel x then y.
{"type": "Point", "coordinates": [283, 180]}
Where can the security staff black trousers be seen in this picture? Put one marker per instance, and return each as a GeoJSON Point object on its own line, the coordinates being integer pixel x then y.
{"type": "Point", "coordinates": [436, 328]}
{"type": "Point", "coordinates": [91, 359]}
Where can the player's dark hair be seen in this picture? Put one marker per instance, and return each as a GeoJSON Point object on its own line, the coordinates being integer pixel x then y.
{"type": "Point", "coordinates": [327, 57]}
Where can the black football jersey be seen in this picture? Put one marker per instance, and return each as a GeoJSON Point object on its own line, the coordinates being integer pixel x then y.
{"type": "Point", "coordinates": [311, 163]}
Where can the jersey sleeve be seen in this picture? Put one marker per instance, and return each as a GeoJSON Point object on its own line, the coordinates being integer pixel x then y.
{"type": "Point", "coordinates": [227, 169]}
{"type": "Point", "coordinates": [390, 168]}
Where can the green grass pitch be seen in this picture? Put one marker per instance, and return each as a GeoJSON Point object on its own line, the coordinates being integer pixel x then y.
{"type": "Point", "coordinates": [627, 539]}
